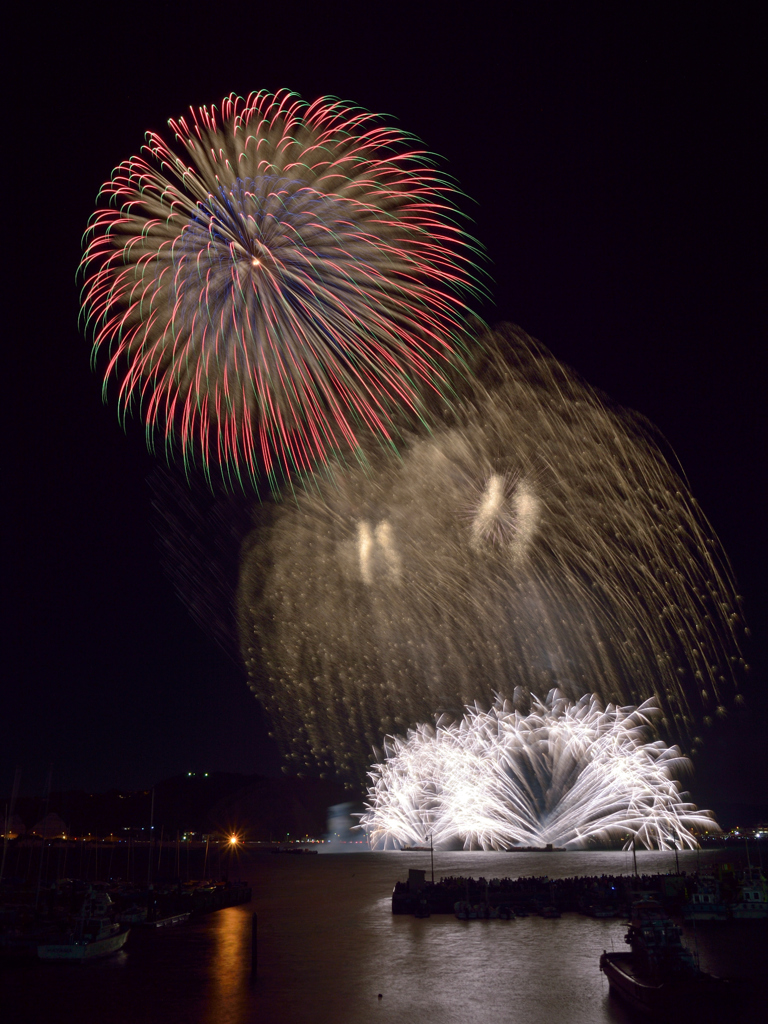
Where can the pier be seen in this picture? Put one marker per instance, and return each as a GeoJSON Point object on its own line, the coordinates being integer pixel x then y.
{"type": "Point", "coordinates": [593, 895]}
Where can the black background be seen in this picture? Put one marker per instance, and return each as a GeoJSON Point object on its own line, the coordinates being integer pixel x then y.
{"type": "Point", "coordinates": [614, 153]}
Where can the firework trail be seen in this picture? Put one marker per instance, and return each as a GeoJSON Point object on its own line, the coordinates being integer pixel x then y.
{"type": "Point", "coordinates": [538, 538]}
{"type": "Point", "coordinates": [279, 283]}
{"type": "Point", "coordinates": [563, 773]}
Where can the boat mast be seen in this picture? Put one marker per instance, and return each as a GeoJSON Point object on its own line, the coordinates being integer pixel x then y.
{"type": "Point", "coordinates": [45, 833]}
{"type": "Point", "coordinates": [8, 816]}
{"type": "Point", "coordinates": [151, 826]}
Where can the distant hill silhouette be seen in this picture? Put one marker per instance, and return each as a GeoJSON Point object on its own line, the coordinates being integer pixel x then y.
{"type": "Point", "coordinates": [260, 808]}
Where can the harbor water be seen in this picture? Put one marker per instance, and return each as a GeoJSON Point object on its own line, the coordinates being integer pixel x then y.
{"type": "Point", "coordinates": [330, 950]}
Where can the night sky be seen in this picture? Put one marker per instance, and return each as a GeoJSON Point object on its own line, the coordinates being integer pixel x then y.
{"type": "Point", "coordinates": [613, 160]}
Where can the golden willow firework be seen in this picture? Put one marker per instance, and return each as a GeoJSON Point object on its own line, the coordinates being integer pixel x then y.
{"type": "Point", "coordinates": [279, 283]}
{"type": "Point", "coordinates": [564, 773]}
{"type": "Point", "coordinates": [537, 538]}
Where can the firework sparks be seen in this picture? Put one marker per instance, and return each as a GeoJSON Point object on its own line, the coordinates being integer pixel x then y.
{"type": "Point", "coordinates": [564, 773]}
{"type": "Point", "coordinates": [537, 538]}
{"type": "Point", "coordinates": [283, 280]}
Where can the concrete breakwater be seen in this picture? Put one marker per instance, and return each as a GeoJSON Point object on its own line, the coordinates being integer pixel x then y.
{"type": "Point", "coordinates": [596, 895]}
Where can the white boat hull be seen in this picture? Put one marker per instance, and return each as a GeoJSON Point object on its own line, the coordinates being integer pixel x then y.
{"type": "Point", "coordinates": [754, 911]}
{"type": "Point", "coordinates": [705, 915]}
{"type": "Point", "coordinates": [84, 950]}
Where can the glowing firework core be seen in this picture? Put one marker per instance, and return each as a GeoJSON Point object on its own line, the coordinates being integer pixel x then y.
{"type": "Point", "coordinates": [564, 773]}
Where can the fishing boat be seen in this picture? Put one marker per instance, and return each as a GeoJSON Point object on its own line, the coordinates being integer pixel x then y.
{"type": "Point", "coordinates": [706, 903]}
{"type": "Point", "coordinates": [549, 911]}
{"type": "Point", "coordinates": [132, 915]}
{"type": "Point", "coordinates": [466, 911]}
{"type": "Point", "coordinates": [660, 977]}
{"type": "Point", "coordinates": [751, 903]}
{"type": "Point", "coordinates": [95, 933]}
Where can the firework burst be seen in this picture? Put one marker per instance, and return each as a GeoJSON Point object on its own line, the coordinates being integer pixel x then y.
{"type": "Point", "coordinates": [280, 282]}
{"type": "Point", "coordinates": [538, 538]}
{"type": "Point", "coordinates": [563, 773]}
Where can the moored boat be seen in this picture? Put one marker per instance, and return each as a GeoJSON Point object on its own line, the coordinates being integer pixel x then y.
{"type": "Point", "coordinates": [550, 911]}
{"type": "Point", "coordinates": [95, 933]}
{"type": "Point", "coordinates": [132, 915]}
{"type": "Point", "coordinates": [660, 977]}
{"type": "Point", "coordinates": [751, 903]}
{"type": "Point", "coordinates": [466, 911]}
{"type": "Point", "coordinates": [706, 903]}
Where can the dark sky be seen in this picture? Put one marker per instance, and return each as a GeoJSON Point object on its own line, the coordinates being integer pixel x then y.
{"type": "Point", "coordinates": [614, 159]}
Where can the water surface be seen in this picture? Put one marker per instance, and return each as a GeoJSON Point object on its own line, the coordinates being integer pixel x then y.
{"type": "Point", "coordinates": [328, 945]}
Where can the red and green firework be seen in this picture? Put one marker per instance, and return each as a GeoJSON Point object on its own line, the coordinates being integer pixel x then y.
{"type": "Point", "coordinates": [282, 281]}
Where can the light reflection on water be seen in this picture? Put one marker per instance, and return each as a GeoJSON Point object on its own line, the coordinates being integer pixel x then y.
{"type": "Point", "coordinates": [229, 996]}
{"type": "Point", "coordinates": [329, 944]}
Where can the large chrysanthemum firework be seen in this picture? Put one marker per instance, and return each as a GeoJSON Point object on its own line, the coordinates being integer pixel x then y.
{"type": "Point", "coordinates": [564, 772]}
{"type": "Point", "coordinates": [281, 282]}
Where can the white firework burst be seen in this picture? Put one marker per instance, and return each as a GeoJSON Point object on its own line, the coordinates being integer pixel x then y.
{"type": "Point", "coordinates": [537, 537]}
{"type": "Point", "coordinates": [563, 773]}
